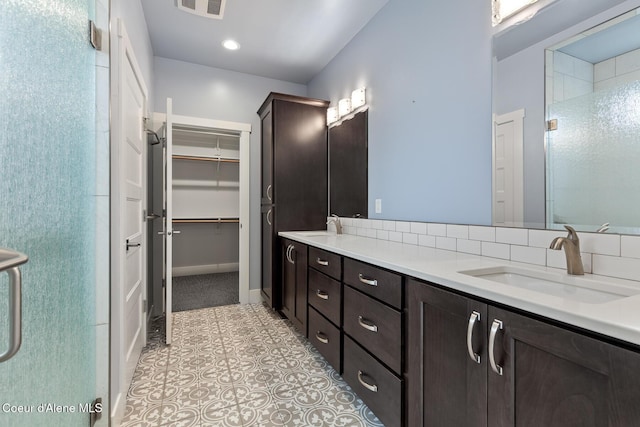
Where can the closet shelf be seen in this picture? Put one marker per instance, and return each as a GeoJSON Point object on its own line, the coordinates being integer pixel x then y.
{"type": "Point", "coordinates": [206, 220]}
{"type": "Point", "coordinates": [206, 159]}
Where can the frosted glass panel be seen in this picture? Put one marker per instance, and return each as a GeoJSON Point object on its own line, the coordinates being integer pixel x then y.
{"type": "Point", "coordinates": [47, 206]}
{"type": "Point", "coordinates": [593, 172]}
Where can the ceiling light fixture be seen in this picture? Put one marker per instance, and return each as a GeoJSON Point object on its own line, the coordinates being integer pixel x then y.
{"type": "Point", "coordinates": [231, 44]}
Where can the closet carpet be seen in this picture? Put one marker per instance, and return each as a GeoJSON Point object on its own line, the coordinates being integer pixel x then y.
{"type": "Point", "coordinates": [206, 290]}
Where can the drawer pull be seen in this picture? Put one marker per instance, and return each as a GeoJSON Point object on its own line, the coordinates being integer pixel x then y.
{"type": "Point", "coordinates": [367, 281]}
{"type": "Point", "coordinates": [370, 387]}
{"type": "Point", "coordinates": [322, 262]}
{"type": "Point", "coordinates": [495, 327]}
{"type": "Point", "coordinates": [367, 325]}
{"type": "Point", "coordinates": [322, 338]}
{"type": "Point", "coordinates": [473, 319]}
{"type": "Point", "coordinates": [322, 294]}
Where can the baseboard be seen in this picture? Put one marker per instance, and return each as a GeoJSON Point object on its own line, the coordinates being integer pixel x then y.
{"type": "Point", "coordinates": [194, 270]}
{"type": "Point", "coordinates": [255, 296]}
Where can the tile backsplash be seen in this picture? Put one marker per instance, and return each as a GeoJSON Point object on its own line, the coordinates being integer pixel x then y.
{"type": "Point", "coordinates": [603, 254]}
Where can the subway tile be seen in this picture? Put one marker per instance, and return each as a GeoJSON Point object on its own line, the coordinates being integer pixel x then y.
{"type": "Point", "coordinates": [514, 236]}
{"type": "Point", "coordinates": [376, 224]}
{"type": "Point", "coordinates": [557, 259]}
{"type": "Point", "coordinates": [630, 247]}
{"type": "Point", "coordinates": [344, 221]}
{"type": "Point", "coordinates": [362, 232]}
{"type": "Point", "coordinates": [395, 236]}
{"type": "Point", "coordinates": [357, 222]}
{"type": "Point", "coordinates": [623, 268]}
{"type": "Point", "coordinates": [583, 70]}
{"type": "Point", "coordinates": [487, 234]}
{"type": "Point", "coordinates": [402, 226]}
{"type": "Point", "coordinates": [628, 62]}
{"type": "Point", "coordinates": [604, 70]}
{"type": "Point", "coordinates": [496, 250]}
{"type": "Point", "coordinates": [447, 243]}
{"type": "Point", "coordinates": [469, 246]}
{"type": "Point", "coordinates": [563, 63]}
{"type": "Point", "coordinates": [437, 229]}
{"type": "Point", "coordinates": [600, 243]}
{"type": "Point", "coordinates": [529, 255]}
{"type": "Point", "coordinates": [458, 231]}
{"type": "Point", "coordinates": [410, 238]}
{"type": "Point", "coordinates": [349, 230]}
{"type": "Point", "coordinates": [426, 240]}
{"type": "Point", "coordinates": [389, 225]}
{"type": "Point", "coordinates": [419, 227]}
{"type": "Point", "coordinates": [382, 235]}
{"type": "Point", "coordinates": [370, 232]}
{"type": "Point", "coordinates": [543, 238]}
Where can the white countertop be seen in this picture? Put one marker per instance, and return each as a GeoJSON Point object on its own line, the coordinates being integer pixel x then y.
{"type": "Point", "coordinates": [619, 318]}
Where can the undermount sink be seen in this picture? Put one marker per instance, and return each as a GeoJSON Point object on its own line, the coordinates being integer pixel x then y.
{"type": "Point", "coordinates": [316, 233]}
{"type": "Point", "coordinates": [578, 288]}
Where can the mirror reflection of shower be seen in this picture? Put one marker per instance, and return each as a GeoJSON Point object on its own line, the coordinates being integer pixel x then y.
{"type": "Point", "coordinates": [593, 128]}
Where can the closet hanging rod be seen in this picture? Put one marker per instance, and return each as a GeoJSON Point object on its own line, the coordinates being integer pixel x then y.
{"type": "Point", "coordinates": [206, 220]}
{"type": "Point", "coordinates": [205, 132]}
{"type": "Point", "coordinates": [206, 159]}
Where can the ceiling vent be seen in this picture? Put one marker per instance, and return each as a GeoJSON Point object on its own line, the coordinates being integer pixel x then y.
{"type": "Point", "coordinates": [208, 8]}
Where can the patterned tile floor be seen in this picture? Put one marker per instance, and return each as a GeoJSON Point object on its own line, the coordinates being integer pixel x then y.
{"type": "Point", "coordinates": [238, 365]}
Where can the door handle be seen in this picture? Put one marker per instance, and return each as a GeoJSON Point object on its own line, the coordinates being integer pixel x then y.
{"type": "Point", "coordinates": [370, 387]}
{"type": "Point", "coordinates": [132, 245]}
{"type": "Point", "coordinates": [367, 281]}
{"type": "Point", "coordinates": [322, 294]}
{"type": "Point", "coordinates": [10, 263]}
{"type": "Point", "coordinates": [322, 262]}
{"type": "Point", "coordinates": [367, 325]}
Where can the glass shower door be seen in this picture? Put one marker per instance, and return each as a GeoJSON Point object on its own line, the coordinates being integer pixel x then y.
{"type": "Point", "coordinates": [49, 205]}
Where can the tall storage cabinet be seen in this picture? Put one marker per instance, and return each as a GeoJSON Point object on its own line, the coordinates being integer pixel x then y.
{"type": "Point", "coordinates": [294, 178]}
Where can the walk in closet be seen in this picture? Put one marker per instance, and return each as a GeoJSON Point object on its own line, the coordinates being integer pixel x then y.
{"type": "Point", "coordinates": [205, 182]}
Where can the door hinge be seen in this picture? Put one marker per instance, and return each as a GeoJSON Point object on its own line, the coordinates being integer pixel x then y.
{"type": "Point", "coordinates": [552, 124]}
{"type": "Point", "coordinates": [95, 411]}
{"type": "Point", "coordinates": [95, 36]}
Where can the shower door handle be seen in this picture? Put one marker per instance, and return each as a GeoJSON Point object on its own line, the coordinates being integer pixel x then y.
{"type": "Point", "coordinates": [9, 262]}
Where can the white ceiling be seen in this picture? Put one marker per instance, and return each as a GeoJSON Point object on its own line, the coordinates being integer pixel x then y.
{"type": "Point", "coordinates": [291, 40]}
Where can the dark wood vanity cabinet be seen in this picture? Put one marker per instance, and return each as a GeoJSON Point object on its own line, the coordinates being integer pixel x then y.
{"type": "Point", "coordinates": [473, 364]}
{"type": "Point", "coordinates": [294, 178]}
{"type": "Point", "coordinates": [294, 283]}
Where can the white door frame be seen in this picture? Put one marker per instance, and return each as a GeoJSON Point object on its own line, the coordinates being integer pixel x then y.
{"type": "Point", "coordinates": [517, 117]}
{"type": "Point", "coordinates": [120, 377]}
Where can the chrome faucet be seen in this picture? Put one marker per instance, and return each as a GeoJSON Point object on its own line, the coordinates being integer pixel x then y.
{"type": "Point", "coordinates": [571, 245]}
{"type": "Point", "coordinates": [336, 220]}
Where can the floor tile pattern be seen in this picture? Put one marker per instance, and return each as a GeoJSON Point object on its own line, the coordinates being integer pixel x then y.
{"type": "Point", "coordinates": [238, 365]}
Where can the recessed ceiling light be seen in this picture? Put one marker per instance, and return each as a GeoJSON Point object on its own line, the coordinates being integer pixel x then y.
{"type": "Point", "coordinates": [231, 44]}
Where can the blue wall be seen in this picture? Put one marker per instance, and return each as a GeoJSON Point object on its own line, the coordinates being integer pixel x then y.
{"type": "Point", "coordinates": [427, 69]}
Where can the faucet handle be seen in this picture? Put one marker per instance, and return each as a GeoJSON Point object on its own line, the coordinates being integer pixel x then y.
{"type": "Point", "coordinates": [573, 234]}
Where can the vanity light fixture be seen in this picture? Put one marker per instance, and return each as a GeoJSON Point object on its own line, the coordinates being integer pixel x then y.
{"type": "Point", "coordinates": [231, 44]}
{"type": "Point", "coordinates": [344, 107]}
{"type": "Point", "coordinates": [332, 115]}
{"type": "Point", "coordinates": [502, 9]}
{"type": "Point", "coordinates": [347, 107]}
{"type": "Point", "coordinates": [358, 98]}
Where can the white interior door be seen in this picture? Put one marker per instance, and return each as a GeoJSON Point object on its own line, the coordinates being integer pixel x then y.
{"type": "Point", "coordinates": [129, 231]}
{"type": "Point", "coordinates": [168, 220]}
{"type": "Point", "coordinates": [508, 182]}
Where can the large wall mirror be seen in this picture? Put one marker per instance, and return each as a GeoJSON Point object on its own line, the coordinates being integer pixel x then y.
{"type": "Point", "coordinates": [567, 129]}
{"type": "Point", "coordinates": [348, 159]}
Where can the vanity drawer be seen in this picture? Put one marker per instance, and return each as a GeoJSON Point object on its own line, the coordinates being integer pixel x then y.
{"type": "Point", "coordinates": [377, 386]}
{"type": "Point", "coordinates": [325, 337]}
{"type": "Point", "coordinates": [324, 295]}
{"type": "Point", "coordinates": [327, 262]}
{"type": "Point", "coordinates": [375, 326]}
{"type": "Point", "coordinates": [380, 284]}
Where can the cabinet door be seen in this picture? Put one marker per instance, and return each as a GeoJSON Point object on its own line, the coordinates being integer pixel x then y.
{"type": "Point", "coordinates": [553, 377]}
{"type": "Point", "coordinates": [266, 284]}
{"type": "Point", "coordinates": [445, 387]}
{"type": "Point", "coordinates": [294, 283]}
{"type": "Point", "coordinates": [267, 158]}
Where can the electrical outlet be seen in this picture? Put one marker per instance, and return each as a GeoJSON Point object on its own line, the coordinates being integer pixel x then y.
{"type": "Point", "coordinates": [378, 206]}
